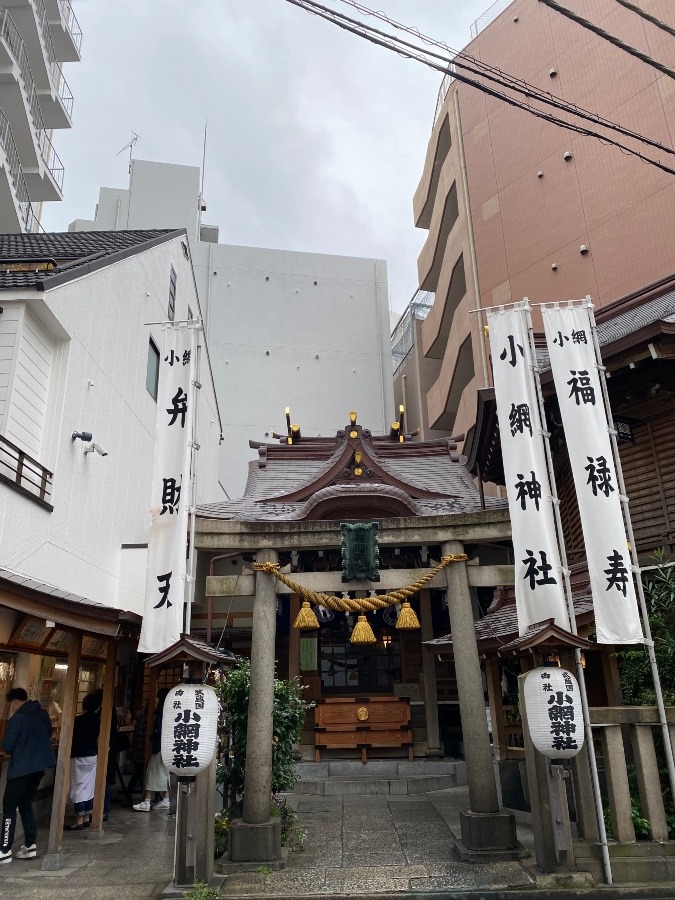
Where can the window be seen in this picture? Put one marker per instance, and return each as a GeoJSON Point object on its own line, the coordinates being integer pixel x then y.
{"type": "Point", "coordinates": [152, 374]}
{"type": "Point", "coordinates": [172, 294]}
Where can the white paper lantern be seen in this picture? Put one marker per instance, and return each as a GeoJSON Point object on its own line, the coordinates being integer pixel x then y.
{"type": "Point", "coordinates": [189, 728]}
{"type": "Point", "coordinates": [554, 713]}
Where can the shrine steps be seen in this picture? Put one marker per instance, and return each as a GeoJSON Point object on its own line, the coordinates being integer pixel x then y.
{"type": "Point", "coordinates": [339, 777]}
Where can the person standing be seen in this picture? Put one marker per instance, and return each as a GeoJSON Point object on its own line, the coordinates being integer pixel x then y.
{"type": "Point", "coordinates": [28, 741]}
{"type": "Point", "coordinates": [157, 774]}
{"type": "Point", "coordinates": [83, 757]}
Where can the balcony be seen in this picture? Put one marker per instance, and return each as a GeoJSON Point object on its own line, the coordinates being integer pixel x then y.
{"type": "Point", "coordinates": [65, 29]}
{"type": "Point", "coordinates": [16, 212]}
{"type": "Point", "coordinates": [19, 101]}
{"type": "Point", "coordinates": [25, 475]}
{"type": "Point", "coordinates": [32, 22]}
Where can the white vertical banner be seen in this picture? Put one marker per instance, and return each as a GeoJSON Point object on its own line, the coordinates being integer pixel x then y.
{"type": "Point", "coordinates": [538, 573]}
{"type": "Point", "coordinates": [170, 499]}
{"type": "Point", "coordinates": [577, 382]}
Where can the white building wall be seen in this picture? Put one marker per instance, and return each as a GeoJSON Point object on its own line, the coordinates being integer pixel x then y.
{"type": "Point", "coordinates": [267, 322]}
{"type": "Point", "coordinates": [98, 385]}
{"type": "Point", "coordinates": [304, 330]}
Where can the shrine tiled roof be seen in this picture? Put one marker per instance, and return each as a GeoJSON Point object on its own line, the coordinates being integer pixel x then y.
{"type": "Point", "coordinates": [289, 482]}
{"type": "Point", "coordinates": [498, 630]}
{"type": "Point", "coordinates": [45, 260]}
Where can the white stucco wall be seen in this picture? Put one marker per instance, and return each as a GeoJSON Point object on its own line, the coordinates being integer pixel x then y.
{"type": "Point", "coordinates": [257, 300]}
{"type": "Point", "coordinates": [305, 330]}
{"type": "Point", "coordinates": [98, 384]}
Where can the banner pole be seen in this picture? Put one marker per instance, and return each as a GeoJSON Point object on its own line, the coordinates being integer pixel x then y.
{"type": "Point", "coordinates": [198, 330]}
{"type": "Point", "coordinates": [597, 796]}
{"type": "Point", "coordinates": [649, 643]}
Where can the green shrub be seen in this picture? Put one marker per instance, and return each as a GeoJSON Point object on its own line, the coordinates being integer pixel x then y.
{"type": "Point", "coordinates": [288, 719]}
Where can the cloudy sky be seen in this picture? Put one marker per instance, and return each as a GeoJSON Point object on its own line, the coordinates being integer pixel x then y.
{"type": "Point", "coordinates": [316, 138]}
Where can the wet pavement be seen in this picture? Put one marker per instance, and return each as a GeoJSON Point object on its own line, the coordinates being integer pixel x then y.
{"type": "Point", "coordinates": [357, 846]}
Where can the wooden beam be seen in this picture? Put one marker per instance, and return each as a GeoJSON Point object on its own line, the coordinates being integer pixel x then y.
{"type": "Point", "coordinates": [104, 741]}
{"type": "Point", "coordinates": [54, 857]}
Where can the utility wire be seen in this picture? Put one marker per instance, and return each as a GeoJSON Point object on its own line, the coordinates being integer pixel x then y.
{"type": "Point", "coordinates": [645, 15]}
{"type": "Point", "coordinates": [491, 73]}
{"type": "Point", "coordinates": [605, 35]}
{"type": "Point", "coordinates": [544, 96]}
{"type": "Point", "coordinates": [396, 45]}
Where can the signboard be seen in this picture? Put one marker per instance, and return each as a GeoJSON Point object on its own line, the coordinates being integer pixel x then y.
{"type": "Point", "coordinates": [360, 552]}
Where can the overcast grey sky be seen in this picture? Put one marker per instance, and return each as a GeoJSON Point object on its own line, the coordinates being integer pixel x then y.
{"type": "Point", "coordinates": [316, 138]}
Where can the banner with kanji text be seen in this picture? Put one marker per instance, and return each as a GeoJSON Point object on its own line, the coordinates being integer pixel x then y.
{"type": "Point", "coordinates": [574, 366]}
{"type": "Point", "coordinates": [538, 574]}
{"type": "Point", "coordinates": [170, 498]}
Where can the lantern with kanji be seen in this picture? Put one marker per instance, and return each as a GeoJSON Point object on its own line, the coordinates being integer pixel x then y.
{"type": "Point", "coordinates": [554, 714]}
{"type": "Point", "coordinates": [189, 728]}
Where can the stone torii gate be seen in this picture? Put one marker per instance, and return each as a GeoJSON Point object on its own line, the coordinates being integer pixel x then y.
{"type": "Point", "coordinates": [421, 495]}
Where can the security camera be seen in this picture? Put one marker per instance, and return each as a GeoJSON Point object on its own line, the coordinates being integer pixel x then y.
{"type": "Point", "coordinates": [97, 447]}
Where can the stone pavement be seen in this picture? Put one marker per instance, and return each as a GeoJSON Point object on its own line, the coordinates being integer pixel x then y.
{"type": "Point", "coordinates": [378, 844]}
{"type": "Point", "coordinates": [133, 859]}
{"type": "Point", "coordinates": [358, 846]}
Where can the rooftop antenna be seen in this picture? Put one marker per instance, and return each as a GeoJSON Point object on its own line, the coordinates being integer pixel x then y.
{"type": "Point", "coordinates": [130, 147]}
{"type": "Point", "coordinates": [201, 206]}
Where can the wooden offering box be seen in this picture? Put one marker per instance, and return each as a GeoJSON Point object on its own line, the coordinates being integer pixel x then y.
{"type": "Point", "coordinates": [362, 723]}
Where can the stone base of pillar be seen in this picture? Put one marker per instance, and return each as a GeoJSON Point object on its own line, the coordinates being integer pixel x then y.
{"type": "Point", "coordinates": [254, 843]}
{"type": "Point", "coordinates": [487, 833]}
{"type": "Point", "coordinates": [52, 862]}
{"type": "Point", "coordinates": [434, 753]}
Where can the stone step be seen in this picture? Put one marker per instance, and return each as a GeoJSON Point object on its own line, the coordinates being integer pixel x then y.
{"type": "Point", "coordinates": [340, 786]}
{"type": "Point", "coordinates": [378, 768]}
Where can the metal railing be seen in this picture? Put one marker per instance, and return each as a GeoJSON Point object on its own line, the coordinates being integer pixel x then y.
{"type": "Point", "coordinates": [403, 336]}
{"type": "Point", "coordinates": [72, 25]}
{"type": "Point", "coordinates": [60, 83]}
{"type": "Point", "coordinates": [63, 89]}
{"type": "Point", "coordinates": [488, 16]}
{"type": "Point", "coordinates": [16, 175]}
{"type": "Point", "coordinates": [13, 40]}
{"type": "Point", "coordinates": [22, 472]}
{"type": "Point", "coordinates": [442, 94]}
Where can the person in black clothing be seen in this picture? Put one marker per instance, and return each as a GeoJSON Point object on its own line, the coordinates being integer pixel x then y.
{"type": "Point", "coordinates": [83, 753]}
{"type": "Point", "coordinates": [28, 741]}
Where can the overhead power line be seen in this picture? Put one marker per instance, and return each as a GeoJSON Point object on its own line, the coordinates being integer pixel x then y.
{"type": "Point", "coordinates": [645, 15]}
{"type": "Point", "coordinates": [492, 73]}
{"type": "Point", "coordinates": [410, 51]}
{"type": "Point", "coordinates": [605, 35]}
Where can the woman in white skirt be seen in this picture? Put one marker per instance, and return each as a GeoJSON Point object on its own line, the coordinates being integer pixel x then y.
{"type": "Point", "coordinates": [83, 762]}
{"type": "Point", "coordinates": [157, 774]}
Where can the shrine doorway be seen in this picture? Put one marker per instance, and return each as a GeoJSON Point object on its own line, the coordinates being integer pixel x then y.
{"type": "Point", "coordinates": [347, 669]}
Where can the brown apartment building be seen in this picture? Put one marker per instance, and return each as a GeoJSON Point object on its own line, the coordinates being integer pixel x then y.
{"type": "Point", "coordinates": [515, 206]}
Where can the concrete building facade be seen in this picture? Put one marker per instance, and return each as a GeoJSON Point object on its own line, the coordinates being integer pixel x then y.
{"type": "Point", "coordinates": [516, 206]}
{"type": "Point", "coordinates": [36, 38]}
{"type": "Point", "coordinates": [284, 328]}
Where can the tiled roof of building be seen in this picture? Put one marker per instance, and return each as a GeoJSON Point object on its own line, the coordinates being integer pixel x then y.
{"type": "Point", "coordinates": [498, 629]}
{"type": "Point", "coordinates": [612, 330]}
{"type": "Point", "coordinates": [426, 477]}
{"type": "Point", "coordinates": [74, 254]}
